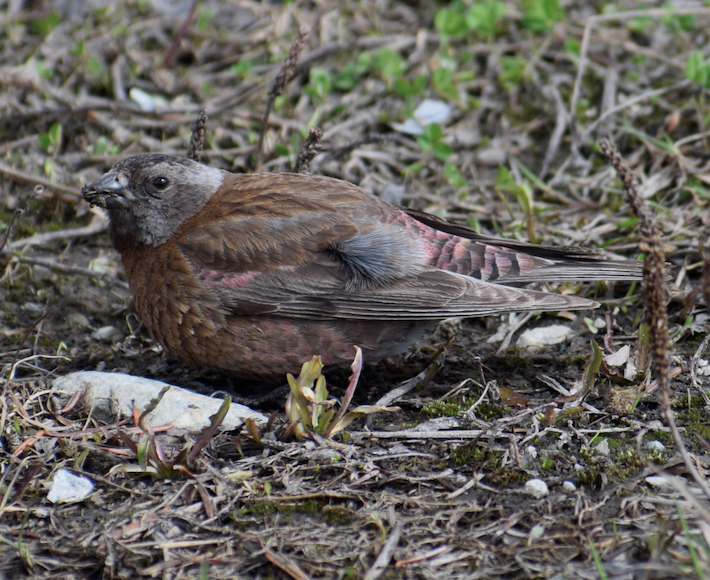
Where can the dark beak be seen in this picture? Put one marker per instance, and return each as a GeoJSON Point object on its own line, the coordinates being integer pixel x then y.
{"type": "Point", "coordinates": [107, 192]}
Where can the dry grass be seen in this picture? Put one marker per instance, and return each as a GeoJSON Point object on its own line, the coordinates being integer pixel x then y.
{"type": "Point", "coordinates": [446, 500]}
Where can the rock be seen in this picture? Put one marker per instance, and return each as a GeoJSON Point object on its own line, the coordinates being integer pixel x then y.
{"type": "Point", "coordinates": [536, 488]}
{"type": "Point", "coordinates": [114, 393]}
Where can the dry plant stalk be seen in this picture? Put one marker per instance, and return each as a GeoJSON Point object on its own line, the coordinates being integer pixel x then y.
{"type": "Point", "coordinates": [308, 151]}
{"type": "Point", "coordinates": [653, 266]}
{"type": "Point", "coordinates": [197, 139]}
{"type": "Point", "coordinates": [280, 82]}
{"type": "Point", "coordinates": [182, 31]}
{"type": "Point", "coordinates": [655, 293]}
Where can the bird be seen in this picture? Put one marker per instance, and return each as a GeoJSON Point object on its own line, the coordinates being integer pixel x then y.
{"type": "Point", "coordinates": [252, 274]}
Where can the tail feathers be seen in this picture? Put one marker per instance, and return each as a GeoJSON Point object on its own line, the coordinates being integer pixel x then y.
{"type": "Point", "coordinates": [572, 270]}
{"type": "Point", "coordinates": [513, 262]}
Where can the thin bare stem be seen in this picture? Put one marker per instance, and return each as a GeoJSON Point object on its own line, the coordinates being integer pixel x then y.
{"type": "Point", "coordinates": [182, 31]}
{"type": "Point", "coordinates": [280, 82]}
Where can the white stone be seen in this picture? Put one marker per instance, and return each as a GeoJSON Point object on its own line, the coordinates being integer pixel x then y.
{"type": "Point", "coordinates": [116, 392]}
{"type": "Point", "coordinates": [602, 448]}
{"type": "Point", "coordinates": [536, 338]}
{"type": "Point", "coordinates": [655, 445]}
{"type": "Point", "coordinates": [67, 487]}
{"type": "Point", "coordinates": [536, 488]}
{"type": "Point", "coordinates": [568, 486]}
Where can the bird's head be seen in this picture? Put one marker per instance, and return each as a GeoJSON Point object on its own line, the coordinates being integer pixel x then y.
{"type": "Point", "coordinates": [149, 196]}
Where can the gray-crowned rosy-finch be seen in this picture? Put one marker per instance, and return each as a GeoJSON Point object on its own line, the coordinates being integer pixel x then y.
{"type": "Point", "coordinates": [252, 274]}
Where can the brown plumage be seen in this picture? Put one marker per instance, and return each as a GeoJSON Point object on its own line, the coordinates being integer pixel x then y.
{"type": "Point", "coordinates": [252, 274]}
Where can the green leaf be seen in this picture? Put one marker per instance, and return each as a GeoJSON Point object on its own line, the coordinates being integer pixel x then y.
{"type": "Point", "coordinates": [443, 83]}
{"type": "Point", "coordinates": [43, 141]}
{"type": "Point", "coordinates": [433, 132]}
{"type": "Point", "coordinates": [49, 167]}
{"type": "Point", "coordinates": [414, 168]}
{"type": "Point", "coordinates": [209, 431]}
{"type": "Point", "coordinates": [442, 151]}
{"type": "Point", "coordinates": [453, 175]}
{"type": "Point", "coordinates": [572, 47]}
{"type": "Point", "coordinates": [424, 143]}
{"type": "Point", "coordinates": [55, 134]}
{"type": "Point", "coordinates": [640, 24]}
{"type": "Point", "coordinates": [541, 15]}
{"type": "Point", "coordinates": [389, 63]}
{"type": "Point", "coordinates": [78, 49]}
{"type": "Point", "coordinates": [357, 413]}
{"type": "Point", "coordinates": [402, 88]}
{"type": "Point", "coordinates": [347, 78]}
{"type": "Point", "coordinates": [45, 25]}
{"type": "Point", "coordinates": [449, 22]}
{"type": "Point", "coordinates": [419, 84]}
{"type": "Point", "coordinates": [695, 69]}
{"type": "Point", "coordinates": [241, 68]}
{"type": "Point", "coordinates": [513, 71]}
{"type": "Point", "coordinates": [522, 191]}
{"type": "Point", "coordinates": [43, 70]}
{"type": "Point", "coordinates": [484, 18]}
{"type": "Point", "coordinates": [96, 67]}
{"type": "Point", "coordinates": [319, 83]}
{"type": "Point", "coordinates": [282, 150]}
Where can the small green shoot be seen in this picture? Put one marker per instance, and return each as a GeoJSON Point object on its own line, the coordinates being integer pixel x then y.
{"type": "Point", "coordinates": [450, 22]}
{"type": "Point", "coordinates": [45, 25]}
{"type": "Point", "coordinates": [430, 141]}
{"type": "Point", "coordinates": [678, 22]}
{"type": "Point", "coordinates": [310, 410]}
{"type": "Point", "coordinates": [389, 64]}
{"type": "Point", "coordinates": [51, 141]}
{"type": "Point", "coordinates": [485, 17]}
{"type": "Point", "coordinates": [150, 454]}
{"type": "Point", "coordinates": [697, 71]}
{"type": "Point", "coordinates": [513, 71]}
{"type": "Point", "coordinates": [523, 192]}
{"type": "Point", "coordinates": [443, 80]}
{"type": "Point", "coordinates": [541, 15]}
{"type": "Point", "coordinates": [598, 564]}
{"type": "Point", "coordinates": [319, 83]}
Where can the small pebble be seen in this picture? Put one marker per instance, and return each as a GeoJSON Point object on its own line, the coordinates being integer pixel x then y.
{"type": "Point", "coordinates": [536, 488]}
{"type": "Point", "coordinates": [568, 486]}
{"type": "Point", "coordinates": [32, 307]}
{"type": "Point", "coordinates": [658, 481]}
{"type": "Point", "coordinates": [603, 448]}
{"type": "Point", "coordinates": [78, 319]}
{"type": "Point", "coordinates": [655, 445]}
{"type": "Point", "coordinates": [67, 487]}
{"type": "Point", "coordinates": [109, 333]}
{"type": "Point", "coordinates": [536, 338]}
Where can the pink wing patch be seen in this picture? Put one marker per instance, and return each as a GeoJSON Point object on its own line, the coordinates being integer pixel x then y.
{"type": "Point", "coordinates": [226, 279]}
{"type": "Point", "coordinates": [231, 280]}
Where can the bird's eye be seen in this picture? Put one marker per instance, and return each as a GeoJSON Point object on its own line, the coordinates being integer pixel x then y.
{"type": "Point", "coordinates": [160, 182]}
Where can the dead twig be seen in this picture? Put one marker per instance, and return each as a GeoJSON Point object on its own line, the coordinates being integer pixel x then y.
{"type": "Point", "coordinates": [23, 177]}
{"type": "Point", "coordinates": [182, 31]}
{"type": "Point", "coordinates": [280, 82]}
{"type": "Point", "coordinates": [385, 555]}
